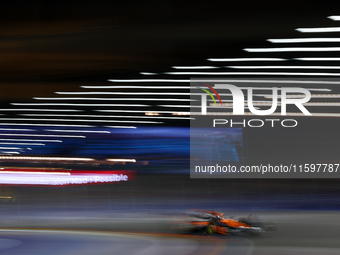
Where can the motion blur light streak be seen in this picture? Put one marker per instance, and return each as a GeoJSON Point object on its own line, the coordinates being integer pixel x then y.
{"type": "Point", "coordinates": [33, 172]}
{"type": "Point", "coordinates": [17, 129]}
{"type": "Point", "coordinates": [74, 136]}
{"type": "Point", "coordinates": [44, 125]}
{"type": "Point", "coordinates": [302, 40]}
{"type": "Point", "coordinates": [263, 103]}
{"type": "Point", "coordinates": [97, 116]}
{"type": "Point", "coordinates": [43, 110]}
{"type": "Point", "coordinates": [64, 178]}
{"type": "Point", "coordinates": [182, 106]}
{"type": "Point", "coordinates": [10, 148]}
{"type": "Point", "coordinates": [77, 131]}
{"type": "Point", "coordinates": [145, 73]}
{"type": "Point", "coordinates": [195, 67]}
{"type": "Point", "coordinates": [67, 104]}
{"type": "Point", "coordinates": [254, 73]}
{"type": "Point", "coordinates": [148, 80]}
{"type": "Point", "coordinates": [181, 113]}
{"type": "Point", "coordinates": [152, 113]}
{"type": "Point", "coordinates": [31, 140]}
{"type": "Point", "coordinates": [335, 17]}
{"type": "Point", "coordinates": [124, 93]}
{"type": "Point", "coordinates": [245, 59]}
{"type": "Point", "coordinates": [47, 158]}
{"type": "Point", "coordinates": [134, 111]}
{"type": "Point", "coordinates": [82, 120]}
{"type": "Point", "coordinates": [125, 87]}
{"type": "Point", "coordinates": [290, 49]}
{"type": "Point", "coordinates": [317, 59]}
{"type": "Point", "coordinates": [38, 144]}
{"type": "Point", "coordinates": [121, 127]}
{"type": "Point", "coordinates": [121, 160]}
{"type": "Point", "coordinates": [192, 106]}
{"type": "Point", "coordinates": [111, 99]}
{"type": "Point", "coordinates": [285, 67]}
{"type": "Point", "coordinates": [318, 29]}
{"type": "Point", "coordinates": [278, 81]}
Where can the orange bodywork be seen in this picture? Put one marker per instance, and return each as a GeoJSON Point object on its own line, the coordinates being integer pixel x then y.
{"type": "Point", "coordinates": [234, 223]}
{"type": "Point", "coordinates": [200, 223]}
{"type": "Point", "coordinates": [218, 224]}
{"type": "Point", "coordinates": [220, 230]}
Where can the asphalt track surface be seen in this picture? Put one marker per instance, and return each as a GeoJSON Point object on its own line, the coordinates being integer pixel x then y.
{"type": "Point", "coordinates": [299, 233]}
{"type": "Point", "coordinates": [56, 242]}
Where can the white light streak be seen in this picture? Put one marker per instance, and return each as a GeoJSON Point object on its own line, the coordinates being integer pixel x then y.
{"type": "Point", "coordinates": [62, 115]}
{"type": "Point", "coordinates": [194, 67]}
{"type": "Point", "coordinates": [148, 80]}
{"type": "Point", "coordinates": [277, 81]}
{"type": "Point", "coordinates": [128, 87]}
{"type": "Point", "coordinates": [28, 172]}
{"type": "Point", "coordinates": [31, 140]}
{"type": "Point", "coordinates": [192, 106]}
{"type": "Point", "coordinates": [285, 67]}
{"type": "Point", "coordinates": [292, 49]}
{"type": "Point", "coordinates": [10, 152]}
{"type": "Point", "coordinates": [318, 29]}
{"type": "Point", "coordinates": [317, 59]}
{"type": "Point", "coordinates": [43, 110]}
{"type": "Point", "coordinates": [67, 104]}
{"type": "Point", "coordinates": [181, 113]}
{"type": "Point", "coordinates": [180, 106]}
{"type": "Point", "coordinates": [122, 93]}
{"type": "Point", "coordinates": [146, 73]}
{"type": "Point", "coordinates": [245, 59]}
{"type": "Point", "coordinates": [121, 160]}
{"type": "Point", "coordinates": [76, 131]}
{"type": "Point", "coordinates": [10, 148]}
{"type": "Point", "coordinates": [32, 144]}
{"type": "Point", "coordinates": [16, 129]}
{"type": "Point", "coordinates": [303, 40]}
{"type": "Point", "coordinates": [265, 103]}
{"type": "Point", "coordinates": [41, 178]}
{"type": "Point", "coordinates": [75, 136]}
{"type": "Point", "coordinates": [100, 116]}
{"type": "Point", "coordinates": [334, 17]}
{"type": "Point", "coordinates": [52, 125]}
{"type": "Point", "coordinates": [254, 73]}
{"type": "Point", "coordinates": [48, 158]}
{"type": "Point", "coordinates": [134, 111]}
{"type": "Point", "coordinates": [121, 127]}
{"type": "Point", "coordinates": [110, 99]}
{"type": "Point", "coordinates": [125, 121]}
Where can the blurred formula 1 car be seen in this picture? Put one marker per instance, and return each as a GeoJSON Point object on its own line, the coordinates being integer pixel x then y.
{"type": "Point", "coordinates": [210, 222]}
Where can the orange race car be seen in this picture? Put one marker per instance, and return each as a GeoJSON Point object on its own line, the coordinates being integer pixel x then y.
{"type": "Point", "coordinates": [211, 222]}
